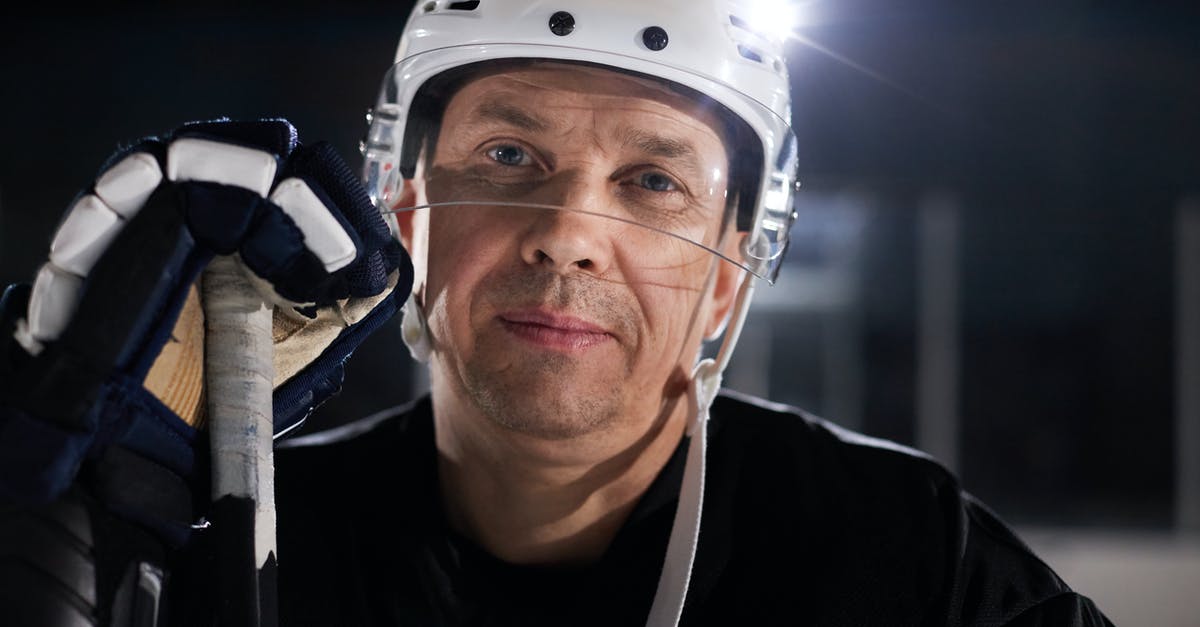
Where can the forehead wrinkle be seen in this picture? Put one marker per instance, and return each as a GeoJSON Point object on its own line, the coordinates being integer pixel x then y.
{"type": "Point", "coordinates": [498, 109]}
{"type": "Point", "coordinates": [654, 144]}
{"type": "Point", "coordinates": [506, 101]}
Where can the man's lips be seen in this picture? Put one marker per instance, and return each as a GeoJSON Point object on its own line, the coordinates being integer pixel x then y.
{"type": "Point", "coordinates": [552, 330]}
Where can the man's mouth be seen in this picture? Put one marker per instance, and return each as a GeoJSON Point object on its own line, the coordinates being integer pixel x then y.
{"type": "Point", "coordinates": [553, 330]}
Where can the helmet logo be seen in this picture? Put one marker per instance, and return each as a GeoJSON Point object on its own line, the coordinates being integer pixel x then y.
{"type": "Point", "coordinates": [655, 38]}
{"type": "Point", "coordinates": [562, 23]}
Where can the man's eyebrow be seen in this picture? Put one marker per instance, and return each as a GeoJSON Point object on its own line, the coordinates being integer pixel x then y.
{"type": "Point", "coordinates": [510, 114]}
{"type": "Point", "coordinates": [661, 146]}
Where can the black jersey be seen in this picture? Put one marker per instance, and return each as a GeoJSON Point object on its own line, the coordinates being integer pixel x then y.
{"type": "Point", "coordinates": [804, 523]}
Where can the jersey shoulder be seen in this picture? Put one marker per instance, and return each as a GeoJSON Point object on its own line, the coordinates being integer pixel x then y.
{"type": "Point", "coordinates": [803, 442]}
{"type": "Point", "coordinates": [882, 508]}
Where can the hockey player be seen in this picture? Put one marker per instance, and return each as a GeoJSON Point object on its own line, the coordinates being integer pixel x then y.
{"type": "Point", "coordinates": [588, 191]}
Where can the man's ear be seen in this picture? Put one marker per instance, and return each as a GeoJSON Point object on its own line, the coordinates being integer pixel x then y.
{"type": "Point", "coordinates": [413, 226]}
{"type": "Point", "coordinates": [728, 279]}
{"type": "Point", "coordinates": [404, 219]}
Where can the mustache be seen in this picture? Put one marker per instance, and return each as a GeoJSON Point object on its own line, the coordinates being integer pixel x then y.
{"type": "Point", "coordinates": [585, 297]}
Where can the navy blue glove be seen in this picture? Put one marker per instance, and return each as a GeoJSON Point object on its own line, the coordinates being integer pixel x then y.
{"type": "Point", "coordinates": [76, 348]}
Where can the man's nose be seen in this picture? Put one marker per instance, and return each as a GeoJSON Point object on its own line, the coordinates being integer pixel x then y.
{"type": "Point", "coordinates": [569, 240]}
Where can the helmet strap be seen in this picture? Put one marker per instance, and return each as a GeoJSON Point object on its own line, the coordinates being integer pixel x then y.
{"type": "Point", "coordinates": [414, 330]}
{"type": "Point", "coordinates": [685, 530]}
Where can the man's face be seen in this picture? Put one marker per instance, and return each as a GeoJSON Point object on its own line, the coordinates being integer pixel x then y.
{"type": "Point", "coordinates": [562, 322]}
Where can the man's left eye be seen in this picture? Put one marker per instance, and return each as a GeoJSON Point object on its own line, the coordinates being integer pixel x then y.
{"type": "Point", "coordinates": [656, 182]}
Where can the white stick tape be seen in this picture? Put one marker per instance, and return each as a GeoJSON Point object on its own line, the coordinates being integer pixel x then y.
{"type": "Point", "coordinates": [239, 374]}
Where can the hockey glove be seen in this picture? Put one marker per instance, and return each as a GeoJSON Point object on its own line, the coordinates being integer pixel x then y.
{"type": "Point", "coordinates": [100, 471]}
{"type": "Point", "coordinates": [75, 349]}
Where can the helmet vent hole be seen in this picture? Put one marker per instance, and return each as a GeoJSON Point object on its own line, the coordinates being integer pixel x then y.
{"type": "Point", "coordinates": [562, 23]}
{"type": "Point", "coordinates": [429, 7]}
{"type": "Point", "coordinates": [467, 5]}
{"type": "Point", "coordinates": [750, 53]}
{"type": "Point", "coordinates": [655, 38]}
{"type": "Point", "coordinates": [745, 26]}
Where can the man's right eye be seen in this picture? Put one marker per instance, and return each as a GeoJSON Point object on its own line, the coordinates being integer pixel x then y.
{"type": "Point", "coordinates": [509, 155]}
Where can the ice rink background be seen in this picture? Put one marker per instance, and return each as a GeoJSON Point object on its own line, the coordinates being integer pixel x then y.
{"type": "Point", "coordinates": [997, 261]}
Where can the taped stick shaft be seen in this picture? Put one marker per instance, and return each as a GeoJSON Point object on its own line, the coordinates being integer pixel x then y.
{"type": "Point", "coordinates": [239, 375]}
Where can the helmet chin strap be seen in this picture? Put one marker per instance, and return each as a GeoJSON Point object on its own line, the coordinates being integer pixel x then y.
{"type": "Point", "coordinates": [415, 331]}
{"type": "Point", "coordinates": [702, 390]}
{"type": "Point", "coordinates": [685, 530]}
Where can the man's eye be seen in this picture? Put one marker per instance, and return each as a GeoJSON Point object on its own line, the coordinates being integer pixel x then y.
{"type": "Point", "coordinates": [656, 182]}
{"type": "Point", "coordinates": [509, 155]}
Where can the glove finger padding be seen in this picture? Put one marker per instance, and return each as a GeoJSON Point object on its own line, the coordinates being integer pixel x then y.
{"type": "Point", "coordinates": [350, 249]}
{"type": "Point", "coordinates": [323, 287]}
{"type": "Point", "coordinates": [381, 251]}
{"type": "Point", "coordinates": [129, 250]}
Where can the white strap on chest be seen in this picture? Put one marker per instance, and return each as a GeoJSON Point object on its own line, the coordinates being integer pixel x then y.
{"type": "Point", "coordinates": [685, 531]}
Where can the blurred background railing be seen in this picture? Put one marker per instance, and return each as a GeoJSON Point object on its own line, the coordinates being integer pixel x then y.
{"type": "Point", "coordinates": [997, 259]}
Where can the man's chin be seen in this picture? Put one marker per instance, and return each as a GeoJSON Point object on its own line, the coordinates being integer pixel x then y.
{"type": "Point", "coordinates": [544, 407]}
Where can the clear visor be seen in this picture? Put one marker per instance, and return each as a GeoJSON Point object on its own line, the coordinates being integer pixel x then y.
{"type": "Point", "coordinates": [605, 244]}
{"type": "Point", "coordinates": [651, 163]}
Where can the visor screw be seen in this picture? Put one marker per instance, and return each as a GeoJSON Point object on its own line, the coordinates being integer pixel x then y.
{"type": "Point", "coordinates": [655, 38]}
{"type": "Point", "coordinates": [562, 23]}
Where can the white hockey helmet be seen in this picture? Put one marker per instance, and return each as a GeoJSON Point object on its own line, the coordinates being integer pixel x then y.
{"type": "Point", "coordinates": [708, 46]}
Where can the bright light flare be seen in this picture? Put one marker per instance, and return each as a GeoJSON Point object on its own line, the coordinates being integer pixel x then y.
{"type": "Point", "coordinates": [775, 19]}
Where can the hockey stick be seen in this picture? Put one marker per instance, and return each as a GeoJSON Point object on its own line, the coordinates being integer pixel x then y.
{"type": "Point", "coordinates": [239, 376]}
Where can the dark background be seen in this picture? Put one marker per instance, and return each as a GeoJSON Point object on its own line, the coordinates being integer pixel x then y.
{"type": "Point", "coordinates": [1067, 134]}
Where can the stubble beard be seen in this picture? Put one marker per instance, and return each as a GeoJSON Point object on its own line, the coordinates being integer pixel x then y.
{"type": "Point", "coordinates": [540, 405]}
{"type": "Point", "coordinates": [553, 396]}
